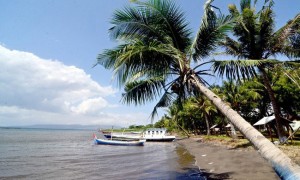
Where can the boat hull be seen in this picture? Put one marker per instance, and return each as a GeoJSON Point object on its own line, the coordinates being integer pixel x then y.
{"type": "Point", "coordinates": [119, 143]}
{"type": "Point", "coordinates": [123, 137]}
{"type": "Point", "coordinates": [134, 138]}
{"type": "Point", "coordinates": [160, 139]}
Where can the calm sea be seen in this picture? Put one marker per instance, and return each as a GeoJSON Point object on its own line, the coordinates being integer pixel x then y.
{"type": "Point", "coordinates": [71, 154]}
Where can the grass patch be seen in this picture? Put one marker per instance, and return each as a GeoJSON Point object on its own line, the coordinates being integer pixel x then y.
{"type": "Point", "coordinates": [227, 141]}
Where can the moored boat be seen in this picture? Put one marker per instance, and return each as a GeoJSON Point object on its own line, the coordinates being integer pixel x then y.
{"type": "Point", "coordinates": [157, 134]}
{"type": "Point", "coordinates": [151, 134]}
{"type": "Point", "coordinates": [119, 143]}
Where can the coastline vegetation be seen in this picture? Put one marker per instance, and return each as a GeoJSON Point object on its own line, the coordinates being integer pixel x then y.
{"type": "Point", "coordinates": [157, 59]}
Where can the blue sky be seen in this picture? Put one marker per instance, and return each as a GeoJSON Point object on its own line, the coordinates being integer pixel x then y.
{"type": "Point", "coordinates": [48, 48]}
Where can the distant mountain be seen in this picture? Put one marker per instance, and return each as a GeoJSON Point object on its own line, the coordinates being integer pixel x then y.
{"type": "Point", "coordinates": [66, 126]}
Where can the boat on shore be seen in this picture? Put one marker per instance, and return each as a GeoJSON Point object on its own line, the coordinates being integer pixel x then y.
{"type": "Point", "coordinates": [118, 143]}
{"type": "Point", "coordinates": [151, 134]}
{"type": "Point", "coordinates": [157, 135]}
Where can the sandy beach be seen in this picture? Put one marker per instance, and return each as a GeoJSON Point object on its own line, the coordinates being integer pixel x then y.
{"type": "Point", "coordinates": [221, 162]}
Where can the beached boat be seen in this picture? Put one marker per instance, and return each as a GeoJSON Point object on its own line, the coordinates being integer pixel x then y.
{"type": "Point", "coordinates": [151, 134]}
{"type": "Point", "coordinates": [118, 143]}
{"type": "Point", "coordinates": [117, 136]}
{"type": "Point", "coordinates": [157, 134]}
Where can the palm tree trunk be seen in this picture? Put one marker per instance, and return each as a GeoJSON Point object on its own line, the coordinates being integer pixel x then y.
{"type": "Point", "coordinates": [207, 125]}
{"type": "Point", "coordinates": [233, 132]}
{"type": "Point", "coordinates": [282, 164]}
{"type": "Point", "coordinates": [185, 132]}
{"type": "Point", "coordinates": [276, 109]}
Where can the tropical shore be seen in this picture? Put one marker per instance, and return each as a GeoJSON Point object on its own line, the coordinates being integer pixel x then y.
{"type": "Point", "coordinates": [222, 162]}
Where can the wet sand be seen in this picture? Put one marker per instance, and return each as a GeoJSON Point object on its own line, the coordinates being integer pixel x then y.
{"type": "Point", "coordinates": [220, 162]}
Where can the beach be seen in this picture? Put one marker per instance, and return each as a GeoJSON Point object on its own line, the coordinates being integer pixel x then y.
{"type": "Point", "coordinates": [221, 162]}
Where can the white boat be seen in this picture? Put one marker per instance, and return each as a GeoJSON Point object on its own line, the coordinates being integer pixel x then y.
{"type": "Point", "coordinates": [119, 136]}
{"type": "Point", "coordinates": [118, 143]}
{"type": "Point", "coordinates": [157, 134]}
{"type": "Point", "coordinates": [151, 134]}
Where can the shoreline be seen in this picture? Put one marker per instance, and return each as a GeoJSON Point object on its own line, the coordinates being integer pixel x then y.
{"type": "Point", "coordinates": [220, 162]}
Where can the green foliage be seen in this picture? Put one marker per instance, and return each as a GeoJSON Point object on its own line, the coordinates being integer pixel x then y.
{"type": "Point", "coordinates": [287, 90]}
{"type": "Point", "coordinates": [255, 41]}
{"type": "Point", "coordinates": [153, 60]}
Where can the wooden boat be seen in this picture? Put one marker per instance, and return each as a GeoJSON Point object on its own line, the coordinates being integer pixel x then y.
{"type": "Point", "coordinates": [157, 134]}
{"type": "Point", "coordinates": [123, 137]}
{"type": "Point", "coordinates": [151, 134]}
{"type": "Point", "coordinates": [118, 143]}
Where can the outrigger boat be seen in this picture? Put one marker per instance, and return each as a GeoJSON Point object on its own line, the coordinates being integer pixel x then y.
{"type": "Point", "coordinates": [118, 143]}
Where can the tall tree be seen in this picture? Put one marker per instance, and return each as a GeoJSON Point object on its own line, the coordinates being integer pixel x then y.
{"type": "Point", "coordinates": [237, 94]}
{"type": "Point", "coordinates": [286, 86]}
{"type": "Point", "coordinates": [256, 41]}
{"type": "Point", "coordinates": [154, 60]}
{"type": "Point", "coordinates": [202, 105]}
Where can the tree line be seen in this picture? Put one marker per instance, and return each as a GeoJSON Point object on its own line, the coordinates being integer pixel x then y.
{"type": "Point", "coordinates": [248, 98]}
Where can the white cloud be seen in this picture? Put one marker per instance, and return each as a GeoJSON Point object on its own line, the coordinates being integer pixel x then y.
{"type": "Point", "coordinates": [17, 116]}
{"type": "Point", "coordinates": [34, 90]}
{"type": "Point", "coordinates": [90, 106]}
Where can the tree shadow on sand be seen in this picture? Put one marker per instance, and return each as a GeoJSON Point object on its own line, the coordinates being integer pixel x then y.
{"type": "Point", "coordinates": [194, 173]}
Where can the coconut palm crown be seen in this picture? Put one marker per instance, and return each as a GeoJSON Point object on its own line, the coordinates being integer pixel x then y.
{"type": "Point", "coordinates": [255, 42]}
{"type": "Point", "coordinates": [156, 50]}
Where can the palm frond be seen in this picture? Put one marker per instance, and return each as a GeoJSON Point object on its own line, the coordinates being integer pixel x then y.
{"type": "Point", "coordinates": [266, 24]}
{"type": "Point", "coordinates": [130, 23]}
{"type": "Point", "coordinates": [165, 101]}
{"type": "Point", "coordinates": [232, 47]}
{"type": "Point", "coordinates": [138, 57]}
{"type": "Point", "coordinates": [236, 69]}
{"type": "Point", "coordinates": [242, 69]}
{"type": "Point", "coordinates": [171, 21]}
{"type": "Point", "coordinates": [291, 64]}
{"type": "Point", "coordinates": [140, 92]}
{"type": "Point", "coordinates": [284, 39]}
{"type": "Point", "coordinates": [109, 57]}
{"type": "Point", "coordinates": [211, 31]}
{"type": "Point", "coordinates": [245, 4]}
{"type": "Point", "coordinates": [154, 19]}
{"type": "Point", "coordinates": [294, 45]}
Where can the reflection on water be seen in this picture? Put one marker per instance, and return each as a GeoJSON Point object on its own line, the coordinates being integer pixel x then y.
{"type": "Point", "coordinates": [70, 154]}
{"type": "Point", "coordinates": [185, 159]}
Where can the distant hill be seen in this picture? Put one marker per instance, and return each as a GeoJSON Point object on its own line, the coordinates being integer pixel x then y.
{"type": "Point", "coordinates": [65, 126]}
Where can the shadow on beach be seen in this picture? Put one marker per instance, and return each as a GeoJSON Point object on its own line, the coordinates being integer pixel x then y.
{"type": "Point", "coordinates": [191, 171]}
{"type": "Point", "coordinates": [195, 173]}
{"type": "Point", "coordinates": [216, 162]}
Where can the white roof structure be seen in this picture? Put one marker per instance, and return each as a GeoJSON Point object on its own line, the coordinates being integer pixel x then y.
{"type": "Point", "coordinates": [264, 120]}
{"type": "Point", "coordinates": [228, 125]}
{"type": "Point", "coordinates": [213, 126]}
{"type": "Point", "coordinates": [295, 125]}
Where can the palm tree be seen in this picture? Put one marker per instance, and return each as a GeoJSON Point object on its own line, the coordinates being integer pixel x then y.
{"type": "Point", "coordinates": [238, 95]}
{"type": "Point", "coordinates": [204, 106]}
{"type": "Point", "coordinates": [154, 60]}
{"type": "Point", "coordinates": [188, 118]}
{"type": "Point", "coordinates": [256, 42]}
{"type": "Point", "coordinates": [175, 115]}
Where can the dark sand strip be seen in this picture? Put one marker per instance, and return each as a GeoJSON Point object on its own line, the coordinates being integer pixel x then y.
{"type": "Point", "coordinates": [220, 162]}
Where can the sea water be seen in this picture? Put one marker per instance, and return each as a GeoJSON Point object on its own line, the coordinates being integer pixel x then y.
{"type": "Point", "coordinates": [71, 154]}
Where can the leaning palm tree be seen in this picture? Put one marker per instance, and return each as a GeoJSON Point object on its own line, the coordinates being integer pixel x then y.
{"type": "Point", "coordinates": [257, 41]}
{"type": "Point", "coordinates": [154, 60]}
